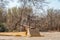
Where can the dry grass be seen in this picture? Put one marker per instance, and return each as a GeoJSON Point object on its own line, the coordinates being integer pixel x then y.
{"type": "Point", "coordinates": [47, 36]}
{"type": "Point", "coordinates": [12, 33]}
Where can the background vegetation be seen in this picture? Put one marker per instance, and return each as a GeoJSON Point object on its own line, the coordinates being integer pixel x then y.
{"type": "Point", "coordinates": [14, 19]}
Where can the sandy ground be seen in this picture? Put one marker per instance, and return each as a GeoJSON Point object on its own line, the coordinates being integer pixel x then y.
{"type": "Point", "coordinates": [47, 36]}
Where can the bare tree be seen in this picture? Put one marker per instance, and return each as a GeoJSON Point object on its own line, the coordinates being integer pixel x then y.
{"type": "Point", "coordinates": [17, 17]}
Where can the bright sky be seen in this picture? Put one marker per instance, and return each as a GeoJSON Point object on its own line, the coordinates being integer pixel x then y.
{"type": "Point", "coordinates": [52, 4]}
{"type": "Point", "coordinates": [12, 4]}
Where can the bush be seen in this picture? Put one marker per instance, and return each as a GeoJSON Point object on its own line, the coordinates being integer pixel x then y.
{"type": "Point", "coordinates": [2, 28]}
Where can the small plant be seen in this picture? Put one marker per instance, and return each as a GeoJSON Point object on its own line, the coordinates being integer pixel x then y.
{"type": "Point", "coordinates": [2, 28]}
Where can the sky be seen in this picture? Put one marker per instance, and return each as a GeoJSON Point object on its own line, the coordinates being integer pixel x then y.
{"type": "Point", "coordinates": [12, 4]}
{"type": "Point", "coordinates": [55, 4]}
{"type": "Point", "coordinates": [52, 4]}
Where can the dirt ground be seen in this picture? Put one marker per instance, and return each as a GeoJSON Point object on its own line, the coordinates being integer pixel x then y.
{"type": "Point", "coordinates": [47, 36]}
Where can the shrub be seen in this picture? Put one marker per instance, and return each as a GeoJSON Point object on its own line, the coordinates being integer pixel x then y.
{"type": "Point", "coordinates": [3, 28]}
